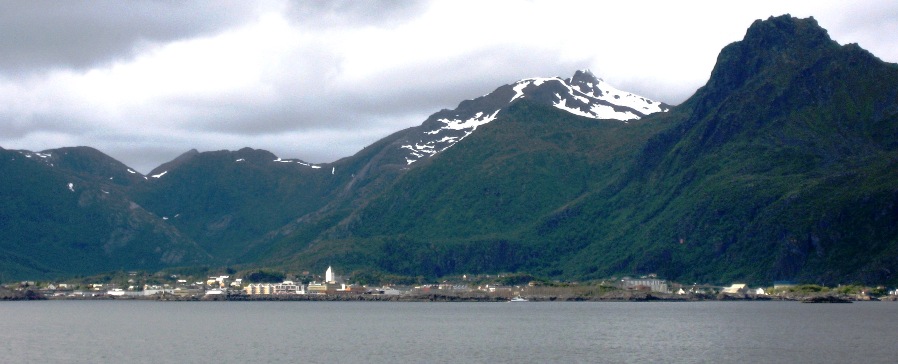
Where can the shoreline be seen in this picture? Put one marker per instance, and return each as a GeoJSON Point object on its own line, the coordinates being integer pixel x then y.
{"type": "Point", "coordinates": [616, 296]}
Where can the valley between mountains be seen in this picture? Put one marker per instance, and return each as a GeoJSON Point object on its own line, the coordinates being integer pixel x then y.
{"type": "Point", "coordinates": [784, 166]}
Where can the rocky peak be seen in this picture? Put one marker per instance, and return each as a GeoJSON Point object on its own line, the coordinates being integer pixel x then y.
{"type": "Point", "coordinates": [584, 95]}
{"type": "Point", "coordinates": [775, 45]}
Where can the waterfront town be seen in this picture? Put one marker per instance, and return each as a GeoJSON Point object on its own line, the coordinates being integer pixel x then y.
{"type": "Point", "coordinates": [331, 286]}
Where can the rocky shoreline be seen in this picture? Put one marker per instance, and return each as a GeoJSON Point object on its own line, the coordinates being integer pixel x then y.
{"type": "Point", "coordinates": [25, 295]}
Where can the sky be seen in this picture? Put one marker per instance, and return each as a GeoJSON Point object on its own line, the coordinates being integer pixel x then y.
{"type": "Point", "coordinates": [144, 81]}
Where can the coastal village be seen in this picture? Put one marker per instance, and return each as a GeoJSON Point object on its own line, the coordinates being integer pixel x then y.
{"type": "Point", "coordinates": [331, 286]}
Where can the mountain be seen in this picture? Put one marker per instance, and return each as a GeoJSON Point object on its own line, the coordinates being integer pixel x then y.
{"type": "Point", "coordinates": [225, 199]}
{"type": "Point", "coordinates": [377, 168]}
{"type": "Point", "coordinates": [67, 211]}
{"type": "Point", "coordinates": [583, 94]}
{"type": "Point", "coordinates": [780, 168]}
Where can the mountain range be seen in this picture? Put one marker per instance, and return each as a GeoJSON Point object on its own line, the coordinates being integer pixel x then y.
{"type": "Point", "coordinates": [782, 167]}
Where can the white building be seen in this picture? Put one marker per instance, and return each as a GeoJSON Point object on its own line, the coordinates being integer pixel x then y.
{"type": "Point", "coordinates": [653, 284]}
{"type": "Point", "coordinates": [285, 287]}
{"type": "Point", "coordinates": [288, 287]}
{"type": "Point", "coordinates": [736, 288]}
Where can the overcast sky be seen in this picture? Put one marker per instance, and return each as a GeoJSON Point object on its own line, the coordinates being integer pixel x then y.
{"type": "Point", "coordinates": [145, 81]}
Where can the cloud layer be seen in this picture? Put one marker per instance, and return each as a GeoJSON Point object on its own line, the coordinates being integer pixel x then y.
{"type": "Point", "coordinates": [147, 80]}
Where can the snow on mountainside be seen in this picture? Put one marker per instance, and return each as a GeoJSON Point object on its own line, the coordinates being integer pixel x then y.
{"type": "Point", "coordinates": [86, 162]}
{"type": "Point", "coordinates": [583, 94]}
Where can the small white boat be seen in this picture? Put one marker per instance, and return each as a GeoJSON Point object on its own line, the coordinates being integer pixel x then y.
{"type": "Point", "coordinates": [518, 299]}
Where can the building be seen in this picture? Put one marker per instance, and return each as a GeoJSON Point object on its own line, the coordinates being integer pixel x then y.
{"type": "Point", "coordinates": [333, 284]}
{"type": "Point", "coordinates": [736, 288]}
{"type": "Point", "coordinates": [322, 288]}
{"type": "Point", "coordinates": [652, 284]}
{"type": "Point", "coordinates": [386, 290]}
{"type": "Point", "coordinates": [220, 281]}
{"type": "Point", "coordinates": [288, 287]}
{"type": "Point", "coordinates": [259, 288]}
{"type": "Point", "coordinates": [285, 287]}
{"type": "Point", "coordinates": [779, 285]}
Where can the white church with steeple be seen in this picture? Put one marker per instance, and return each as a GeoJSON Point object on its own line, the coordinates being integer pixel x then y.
{"type": "Point", "coordinates": [332, 284]}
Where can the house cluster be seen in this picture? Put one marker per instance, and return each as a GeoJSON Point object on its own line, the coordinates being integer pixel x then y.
{"type": "Point", "coordinates": [651, 283]}
{"type": "Point", "coordinates": [216, 285]}
{"type": "Point", "coordinates": [332, 284]}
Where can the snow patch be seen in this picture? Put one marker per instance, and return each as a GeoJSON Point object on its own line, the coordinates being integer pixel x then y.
{"type": "Point", "coordinates": [471, 123]}
{"type": "Point", "coordinates": [240, 160]}
{"type": "Point", "coordinates": [522, 84]}
{"type": "Point", "coordinates": [71, 186]}
{"type": "Point", "coordinates": [159, 175]}
{"type": "Point", "coordinates": [519, 90]}
{"type": "Point", "coordinates": [608, 112]}
{"type": "Point", "coordinates": [130, 171]}
{"type": "Point", "coordinates": [597, 111]}
{"type": "Point", "coordinates": [467, 126]}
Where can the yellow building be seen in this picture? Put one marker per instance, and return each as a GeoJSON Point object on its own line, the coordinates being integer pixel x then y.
{"type": "Point", "coordinates": [259, 288]}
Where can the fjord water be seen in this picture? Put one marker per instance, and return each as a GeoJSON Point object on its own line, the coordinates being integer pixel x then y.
{"type": "Point", "coordinates": [340, 332]}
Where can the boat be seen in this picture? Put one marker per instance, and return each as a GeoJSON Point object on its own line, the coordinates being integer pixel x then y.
{"type": "Point", "coordinates": [518, 299]}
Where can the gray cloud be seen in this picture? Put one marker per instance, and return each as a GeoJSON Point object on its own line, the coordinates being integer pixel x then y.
{"type": "Point", "coordinates": [871, 24]}
{"type": "Point", "coordinates": [395, 99]}
{"type": "Point", "coordinates": [81, 34]}
{"type": "Point", "coordinates": [339, 13]}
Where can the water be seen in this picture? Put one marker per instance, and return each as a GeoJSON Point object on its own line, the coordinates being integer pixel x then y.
{"type": "Point", "coordinates": [395, 332]}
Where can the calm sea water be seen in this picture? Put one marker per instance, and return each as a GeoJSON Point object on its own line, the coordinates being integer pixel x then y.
{"type": "Point", "coordinates": [393, 332]}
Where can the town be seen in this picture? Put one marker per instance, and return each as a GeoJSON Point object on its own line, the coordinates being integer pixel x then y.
{"type": "Point", "coordinates": [264, 285]}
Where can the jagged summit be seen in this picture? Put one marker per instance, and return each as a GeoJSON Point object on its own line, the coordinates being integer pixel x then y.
{"type": "Point", "coordinates": [786, 31]}
{"type": "Point", "coordinates": [583, 94]}
{"type": "Point", "coordinates": [770, 46]}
